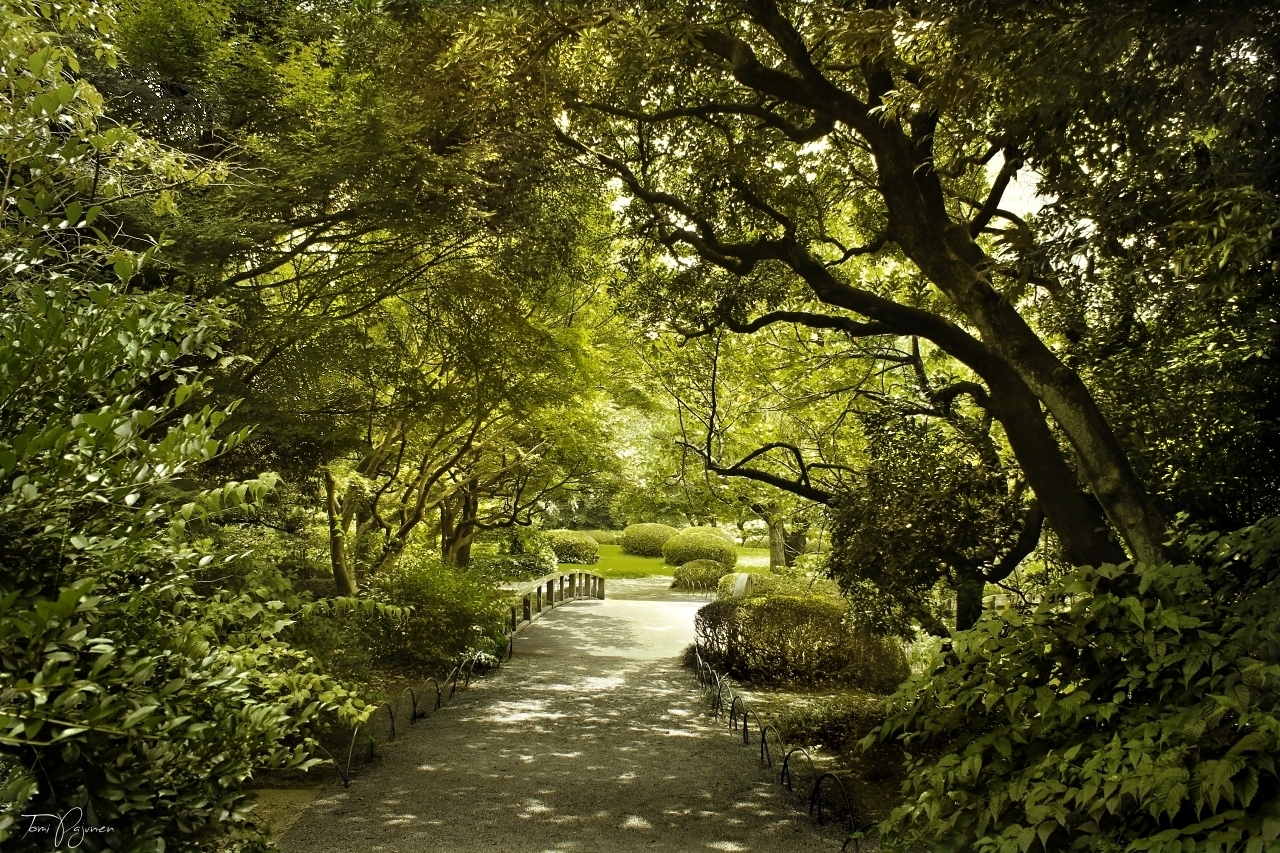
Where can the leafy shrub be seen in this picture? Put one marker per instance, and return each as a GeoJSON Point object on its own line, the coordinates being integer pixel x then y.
{"type": "Point", "coordinates": [699, 573]}
{"type": "Point", "coordinates": [687, 547]}
{"type": "Point", "coordinates": [646, 540]}
{"type": "Point", "coordinates": [526, 540]}
{"type": "Point", "coordinates": [1135, 708]}
{"type": "Point", "coordinates": [452, 611]}
{"type": "Point", "coordinates": [714, 531]}
{"type": "Point", "coordinates": [508, 567]}
{"type": "Point", "coordinates": [572, 546]}
{"type": "Point", "coordinates": [759, 540]}
{"type": "Point", "coordinates": [782, 638]}
{"type": "Point", "coordinates": [605, 537]}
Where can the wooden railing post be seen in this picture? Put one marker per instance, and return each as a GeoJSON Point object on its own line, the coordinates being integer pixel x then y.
{"type": "Point", "coordinates": [528, 609]}
{"type": "Point", "coordinates": [600, 581]}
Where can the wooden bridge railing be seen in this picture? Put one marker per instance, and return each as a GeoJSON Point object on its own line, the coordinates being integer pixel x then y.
{"type": "Point", "coordinates": [533, 598]}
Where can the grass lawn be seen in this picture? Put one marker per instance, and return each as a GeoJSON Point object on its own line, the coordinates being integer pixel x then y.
{"type": "Point", "coordinates": [615, 564]}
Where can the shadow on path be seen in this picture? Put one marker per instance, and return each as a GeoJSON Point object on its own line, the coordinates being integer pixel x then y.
{"type": "Point", "coordinates": [593, 739]}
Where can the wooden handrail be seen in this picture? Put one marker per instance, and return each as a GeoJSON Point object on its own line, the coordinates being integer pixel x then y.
{"type": "Point", "coordinates": [531, 599]}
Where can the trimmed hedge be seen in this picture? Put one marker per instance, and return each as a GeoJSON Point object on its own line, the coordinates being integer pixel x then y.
{"type": "Point", "coordinates": [574, 546]}
{"type": "Point", "coordinates": [604, 537]}
{"type": "Point", "coordinates": [687, 547]}
{"type": "Point", "coordinates": [796, 584]}
{"type": "Point", "coordinates": [699, 573]}
{"type": "Point", "coordinates": [646, 540]}
{"type": "Point", "coordinates": [716, 531]}
{"type": "Point", "coordinates": [788, 638]}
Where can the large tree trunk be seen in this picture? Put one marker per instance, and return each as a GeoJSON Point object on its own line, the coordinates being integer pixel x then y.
{"type": "Point", "coordinates": [969, 602]}
{"type": "Point", "coordinates": [1074, 518]}
{"type": "Point", "coordinates": [342, 577]}
{"type": "Point", "coordinates": [458, 527]}
{"type": "Point", "coordinates": [794, 543]}
{"type": "Point", "coordinates": [945, 251]}
{"type": "Point", "coordinates": [777, 544]}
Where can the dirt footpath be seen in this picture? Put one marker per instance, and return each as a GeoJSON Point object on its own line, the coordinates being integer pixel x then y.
{"type": "Point", "coordinates": [592, 740]}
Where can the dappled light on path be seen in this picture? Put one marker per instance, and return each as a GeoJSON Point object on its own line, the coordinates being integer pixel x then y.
{"type": "Point", "coordinates": [593, 738]}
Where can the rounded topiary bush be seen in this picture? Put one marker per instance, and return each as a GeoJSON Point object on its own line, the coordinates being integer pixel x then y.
{"type": "Point", "coordinates": [574, 546]}
{"type": "Point", "coordinates": [688, 547]}
{"type": "Point", "coordinates": [715, 531]}
{"type": "Point", "coordinates": [646, 540]}
{"type": "Point", "coordinates": [791, 639]}
{"type": "Point", "coordinates": [698, 574]}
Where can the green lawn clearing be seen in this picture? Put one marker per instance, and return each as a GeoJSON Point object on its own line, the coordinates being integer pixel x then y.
{"type": "Point", "coordinates": [615, 564]}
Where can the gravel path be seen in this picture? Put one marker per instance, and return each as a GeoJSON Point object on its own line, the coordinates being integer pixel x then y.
{"type": "Point", "coordinates": [593, 739]}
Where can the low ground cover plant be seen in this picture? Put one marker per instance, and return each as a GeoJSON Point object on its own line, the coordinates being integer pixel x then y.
{"type": "Point", "coordinates": [837, 724]}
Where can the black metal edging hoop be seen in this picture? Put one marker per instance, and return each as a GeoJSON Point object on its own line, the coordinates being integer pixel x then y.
{"type": "Point", "coordinates": [439, 694]}
{"type": "Point", "coordinates": [815, 799]}
{"type": "Point", "coordinates": [766, 754]}
{"type": "Point", "coordinates": [786, 777]}
{"type": "Point", "coordinates": [746, 730]}
{"type": "Point", "coordinates": [733, 713]}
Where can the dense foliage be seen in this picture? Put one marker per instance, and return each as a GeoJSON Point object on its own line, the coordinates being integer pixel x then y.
{"type": "Point", "coordinates": [132, 687]}
{"type": "Point", "coordinates": [142, 675]}
{"type": "Point", "coordinates": [693, 544]}
{"type": "Point", "coordinates": [646, 539]}
{"type": "Point", "coordinates": [1135, 708]}
{"type": "Point", "coordinates": [449, 613]}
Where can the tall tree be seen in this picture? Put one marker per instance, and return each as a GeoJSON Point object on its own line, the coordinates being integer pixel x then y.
{"type": "Point", "coordinates": [786, 156]}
